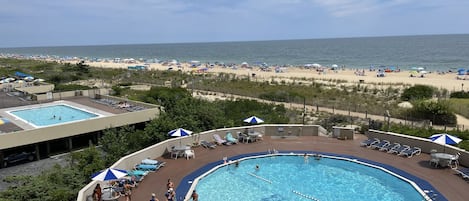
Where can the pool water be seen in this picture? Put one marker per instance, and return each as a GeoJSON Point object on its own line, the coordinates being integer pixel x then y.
{"type": "Point", "coordinates": [52, 115]}
{"type": "Point", "coordinates": [285, 178]}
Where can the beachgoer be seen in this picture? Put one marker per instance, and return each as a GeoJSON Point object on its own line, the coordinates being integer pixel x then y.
{"type": "Point", "coordinates": [170, 195]}
{"type": "Point", "coordinates": [97, 193]}
{"type": "Point", "coordinates": [317, 156]}
{"type": "Point", "coordinates": [153, 197]}
{"type": "Point", "coordinates": [236, 163]}
{"type": "Point", "coordinates": [128, 192]}
{"type": "Point", "coordinates": [257, 167]}
{"type": "Point", "coordinates": [170, 184]}
{"type": "Point", "coordinates": [306, 158]}
{"type": "Point", "coordinates": [195, 196]}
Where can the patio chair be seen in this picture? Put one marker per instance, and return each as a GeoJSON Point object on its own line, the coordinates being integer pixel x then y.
{"type": "Point", "coordinates": [206, 144]}
{"type": "Point", "coordinates": [389, 146]}
{"type": "Point", "coordinates": [244, 137]}
{"type": "Point", "coordinates": [369, 142]}
{"type": "Point", "coordinates": [434, 160]}
{"type": "Point", "coordinates": [410, 152]}
{"type": "Point", "coordinates": [229, 137]}
{"type": "Point", "coordinates": [189, 154]}
{"type": "Point", "coordinates": [399, 149]}
{"type": "Point", "coordinates": [380, 144]}
{"type": "Point", "coordinates": [220, 141]}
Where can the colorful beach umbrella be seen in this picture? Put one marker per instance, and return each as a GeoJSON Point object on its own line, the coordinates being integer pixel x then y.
{"type": "Point", "coordinates": [253, 120]}
{"type": "Point", "coordinates": [109, 174]}
{"type": "Point", "coordinates": [4, 121]}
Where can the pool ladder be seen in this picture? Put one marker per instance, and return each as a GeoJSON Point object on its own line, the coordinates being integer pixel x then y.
{"type": "Point", "coordinates": [306, 196]}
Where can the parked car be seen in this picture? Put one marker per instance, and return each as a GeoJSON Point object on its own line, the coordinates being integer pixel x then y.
{"type": "Point", "coordinates": [18, 157]}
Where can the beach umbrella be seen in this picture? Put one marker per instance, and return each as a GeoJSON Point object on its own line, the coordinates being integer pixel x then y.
{"type": "Point", "coordinates": [4, 121]}
{"type": "Point", "coordinates": [253, 120]}
{"type": "Point", "coordinates": [179, 132]}
{"type": "Point", "coordinates": [109, 174]}
{"type": "Point", "coordinates": [444, 139]}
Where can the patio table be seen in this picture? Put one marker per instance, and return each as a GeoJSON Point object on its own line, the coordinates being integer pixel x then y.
{"type": "Point", "coordinates": [444, 158]}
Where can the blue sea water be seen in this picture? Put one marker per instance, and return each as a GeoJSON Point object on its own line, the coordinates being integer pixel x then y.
{"type": "Point", "coordinates": [435, 52]}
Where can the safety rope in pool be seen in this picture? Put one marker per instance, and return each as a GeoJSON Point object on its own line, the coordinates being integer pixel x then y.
{"type": "Point", "coordinates": [261, 178]}
{"type": "Point", "coordinates": [306, 196]}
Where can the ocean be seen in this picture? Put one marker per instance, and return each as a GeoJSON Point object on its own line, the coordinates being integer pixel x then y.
{"type": "Point", "coordinates": [434, 52]}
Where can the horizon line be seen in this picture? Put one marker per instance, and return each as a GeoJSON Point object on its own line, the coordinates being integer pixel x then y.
{"type": "Point", "coordinates": [233, 41]}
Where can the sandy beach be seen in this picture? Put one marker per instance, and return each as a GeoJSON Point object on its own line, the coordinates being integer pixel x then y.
{"type": "Point", "coordinates": [447, 81]}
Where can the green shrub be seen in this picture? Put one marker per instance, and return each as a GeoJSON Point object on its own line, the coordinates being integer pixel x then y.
{"type": "Point", "coordinates": [418, 92]}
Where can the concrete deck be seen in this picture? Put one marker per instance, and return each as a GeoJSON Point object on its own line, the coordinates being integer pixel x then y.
{"type": "Point", "coordinates": [452, 186]}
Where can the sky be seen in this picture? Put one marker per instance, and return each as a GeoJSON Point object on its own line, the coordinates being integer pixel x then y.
{"type": "Point", "coordinates": [29, 23]}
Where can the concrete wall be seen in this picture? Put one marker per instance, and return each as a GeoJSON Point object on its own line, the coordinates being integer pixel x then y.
{"type": "Point", "coordinates": [67, 94]}
{"type": "Point", "coordinates": [425, 144]}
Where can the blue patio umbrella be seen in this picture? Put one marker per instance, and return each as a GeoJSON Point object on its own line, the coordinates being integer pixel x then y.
{"type": "Point", "coordinates": [109, 174]}
{"type": "Point", "coordinates": [253, 120]}
{"type": "Point", "coordinates": [444, 139]}
{"type": "Point", "coordinates": [179, 132]}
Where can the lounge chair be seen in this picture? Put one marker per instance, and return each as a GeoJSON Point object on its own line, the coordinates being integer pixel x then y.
{"type": "Point", "coordinates": [220, 141]}
{"type": "Point", "coordinates": [390, 146]}
{"type": "Point", "coordinates": [206, 144]}
{"type": "Point", "coordinates": [145, 167]}
{"type": "Point", "coordinates": [464, 172]}
{"type": "Point", "coordinates": [410, 152]}
{"type": "Point", "coordinates": [380, 144]}
{"type": "Point", "coordinates": [399, 149]}
{"type": "Point", "coordinates": [229, 137]}
{"type": "Point", "coordinates": [149, 161]}
{"type": "Point", "coordinates": [369, 142]}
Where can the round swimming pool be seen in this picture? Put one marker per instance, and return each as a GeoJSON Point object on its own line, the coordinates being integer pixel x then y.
{"type": "Point", "coordinates": [291, 177]}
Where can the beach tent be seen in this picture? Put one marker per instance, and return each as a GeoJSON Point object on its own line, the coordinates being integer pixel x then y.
{"type": "Point", "coordinates": [461, 71]}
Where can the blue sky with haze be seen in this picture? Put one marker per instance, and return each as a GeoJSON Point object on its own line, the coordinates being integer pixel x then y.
{"type": "Point", "coordinates": [25, 23]}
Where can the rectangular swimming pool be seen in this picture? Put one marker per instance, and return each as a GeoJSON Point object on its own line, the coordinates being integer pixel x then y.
{"type": "Point", "coordinates": [52, 115]}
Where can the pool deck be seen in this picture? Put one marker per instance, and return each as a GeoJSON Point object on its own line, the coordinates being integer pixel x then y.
{"type": "Point", "coordinates": [452, 186]}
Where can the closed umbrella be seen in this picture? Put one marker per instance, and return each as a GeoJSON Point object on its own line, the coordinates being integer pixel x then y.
{"type": "Point", "coordinates": [444, 139]}
{"type": "Point", "coordinates": [253, 120]}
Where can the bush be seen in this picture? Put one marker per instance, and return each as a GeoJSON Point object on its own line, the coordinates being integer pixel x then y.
{"type": "Point", "coordinates": [459, 94]}
{"type": "Point", "coordinates": [418, 92]}
{"type": "Point", "coordinates": [438, 112]}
